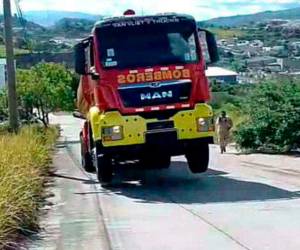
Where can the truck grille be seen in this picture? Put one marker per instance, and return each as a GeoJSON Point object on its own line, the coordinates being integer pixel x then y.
{"type": "Point", "coordinates": [156, 93]}
{"type": "Point", "coordinates": [160, 125]}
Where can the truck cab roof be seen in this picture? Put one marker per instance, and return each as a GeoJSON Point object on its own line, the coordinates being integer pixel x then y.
{"type": "Point", "coordinates": [124, 21]}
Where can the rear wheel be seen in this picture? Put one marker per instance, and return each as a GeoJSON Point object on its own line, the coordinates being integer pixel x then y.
{"type": "Point", "coordinates": [86, 157]}
{"type": "Point", "coordinates": [198, 158]}
{"type": "Point", "coordinates": [104, 166]}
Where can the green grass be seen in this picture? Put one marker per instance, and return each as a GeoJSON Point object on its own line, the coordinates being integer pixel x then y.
{"type": "Point", "coordinates": [223, 101]}
{"type": "Point", "coordinates": [227, 33]}
{"type": "Point", "coordinates": [16, 51]}
{"type": "Point", "coordinates": [233, 112]}
{"type": "Point", "coordinates": [24, 163]}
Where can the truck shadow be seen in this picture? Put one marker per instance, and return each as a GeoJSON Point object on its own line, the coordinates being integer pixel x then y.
{"type": "Point", "coordinates": [178, 185]}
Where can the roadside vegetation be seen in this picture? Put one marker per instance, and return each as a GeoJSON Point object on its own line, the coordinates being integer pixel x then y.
{"type": "Point", "coordinates": [16, 51]}
{"type": "Point", "coordinates": [230, 98]}
{"type": "Point", "coordinates": [24, 164]}
{"type": "Point", "coordinates": [26, 157]}
{"type": "Point", "coordinates": [227, 32]}
{"type": "Point", "coordinates": [273, 118]}
{"type": "Point", "coordinates": [45, 88]}
{"type": "Point", "coordinates": [266, 116]}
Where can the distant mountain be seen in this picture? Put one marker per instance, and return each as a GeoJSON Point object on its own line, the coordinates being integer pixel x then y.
{"type": "Point", "coordinates": [17, 24]}
{"type": "Point", "coordinates": [49, 18]}
{"type": "Point", "coordinates": [289, 14]}
{"type": "Point", "coordinates": [72, 27]}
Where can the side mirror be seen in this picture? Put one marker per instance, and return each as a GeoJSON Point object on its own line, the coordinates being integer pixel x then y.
{"type": "Point", "coordinates": [208, 46]}
{"type": "Point", "coordinates": [80, 61]}
{"type": "Point", "coordinates": [95, 76]}
{"type": "Point", "coordinates": [79, 115]}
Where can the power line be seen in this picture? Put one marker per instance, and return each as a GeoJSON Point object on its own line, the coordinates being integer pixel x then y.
{"type": "Point", "coordinates": [21, 18]}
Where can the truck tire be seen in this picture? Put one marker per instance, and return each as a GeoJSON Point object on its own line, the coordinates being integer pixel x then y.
{"type": "Point", "coordinates": [86, 158]}
{"type": "Point", "coordinates": [198, 158]}
{"type": "Point", "coordinates": [104, 166]}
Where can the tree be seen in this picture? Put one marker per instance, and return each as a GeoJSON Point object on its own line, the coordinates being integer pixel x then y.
{"type": "Point", "coordinates": [45, 88]}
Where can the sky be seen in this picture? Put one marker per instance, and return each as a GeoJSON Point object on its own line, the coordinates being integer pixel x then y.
{"type": "Point", "coordinates": [201, 9]}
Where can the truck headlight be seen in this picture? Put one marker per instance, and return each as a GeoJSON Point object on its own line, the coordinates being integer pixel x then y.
{"type": "Point", "coordinates": [205, 124]}
{"type": "Point", "coordinates": [114, 133]}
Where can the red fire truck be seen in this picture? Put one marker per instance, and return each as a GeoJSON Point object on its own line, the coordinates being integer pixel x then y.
{"type": "Point", "coordinates": [143, 92]}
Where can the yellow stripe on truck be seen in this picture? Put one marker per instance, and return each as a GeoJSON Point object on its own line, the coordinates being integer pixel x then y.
{"type": "Point", "coordinates": [186, 122]}
{"type": "Point", "coordinates": [135, 127]}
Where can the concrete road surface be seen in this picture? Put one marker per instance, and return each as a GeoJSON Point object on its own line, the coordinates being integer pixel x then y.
{"type": "Point", "coordinates": [243, 202]}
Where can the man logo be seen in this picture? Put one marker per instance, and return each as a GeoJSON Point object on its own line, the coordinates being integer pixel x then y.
{"type": "Point", "coordinates": [157, 95]}
{"type": "Point", "coordinates": [155, 85]}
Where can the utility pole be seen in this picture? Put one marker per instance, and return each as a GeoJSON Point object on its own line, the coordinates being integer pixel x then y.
{"type": "Point", "coordinates": [10, 62]}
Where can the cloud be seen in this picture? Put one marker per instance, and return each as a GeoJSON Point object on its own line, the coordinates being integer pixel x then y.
{"type": "Point", "coordinates": [201, 10]}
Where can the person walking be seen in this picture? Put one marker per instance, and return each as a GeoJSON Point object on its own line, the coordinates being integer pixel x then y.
{"type": "Point", "coordinates": [224, 125]}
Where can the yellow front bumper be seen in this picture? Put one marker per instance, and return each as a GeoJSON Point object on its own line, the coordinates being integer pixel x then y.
{"type": "Point", "coordinates": [135, 127]}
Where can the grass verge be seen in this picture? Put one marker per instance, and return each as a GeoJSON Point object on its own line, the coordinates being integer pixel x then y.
{"type": "Point", "coordinates": [16, 51]}
{"type": "Point", "coordinates": [24, 164]}
{"type": "Point", "coordinates": [227, 33]}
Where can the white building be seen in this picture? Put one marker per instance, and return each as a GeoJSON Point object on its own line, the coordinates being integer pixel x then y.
{"type": "Point", "coordinates": [221, 75]}
{"type": "Point", "coordinates": [2, 72]}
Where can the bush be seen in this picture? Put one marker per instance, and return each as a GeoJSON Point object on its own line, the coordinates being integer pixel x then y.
{"type": "Point", "coordinates": [24, 163]}
{"type": "Point", "coordinates": [273, 123]}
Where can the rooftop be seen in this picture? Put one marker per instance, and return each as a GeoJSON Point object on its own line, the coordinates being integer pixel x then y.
{"type": "Point", "coordinates": [218, 71]}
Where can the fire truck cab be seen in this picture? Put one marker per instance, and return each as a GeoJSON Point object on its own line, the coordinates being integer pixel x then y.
{"type": "Point", "coordinates": [143, 92]}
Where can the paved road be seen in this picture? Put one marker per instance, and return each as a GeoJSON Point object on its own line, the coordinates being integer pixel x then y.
{"type": "Point", "coordinates": [243, 202]}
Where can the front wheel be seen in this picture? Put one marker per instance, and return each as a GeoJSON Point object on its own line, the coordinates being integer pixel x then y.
{"type": "Point", "coordinates": [86, 158]}
{"type": "Point", "coordinates": [198, 158]}
{"type": "Point", "coordinates": [104, 166]}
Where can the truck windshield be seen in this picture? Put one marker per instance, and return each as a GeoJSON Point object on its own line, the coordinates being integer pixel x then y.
{"type": "Point", "coordinates": [147, 46]}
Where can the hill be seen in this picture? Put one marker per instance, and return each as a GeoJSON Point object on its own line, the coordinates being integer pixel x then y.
{"type": "Point", "coordinates": [239, 20]}
{"type": "Point", "coordinates": [49, 18]}
{"type": "Point", "coordinates": [17, 24]}
{"type": "Point", "coordinates": [72, 27]}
